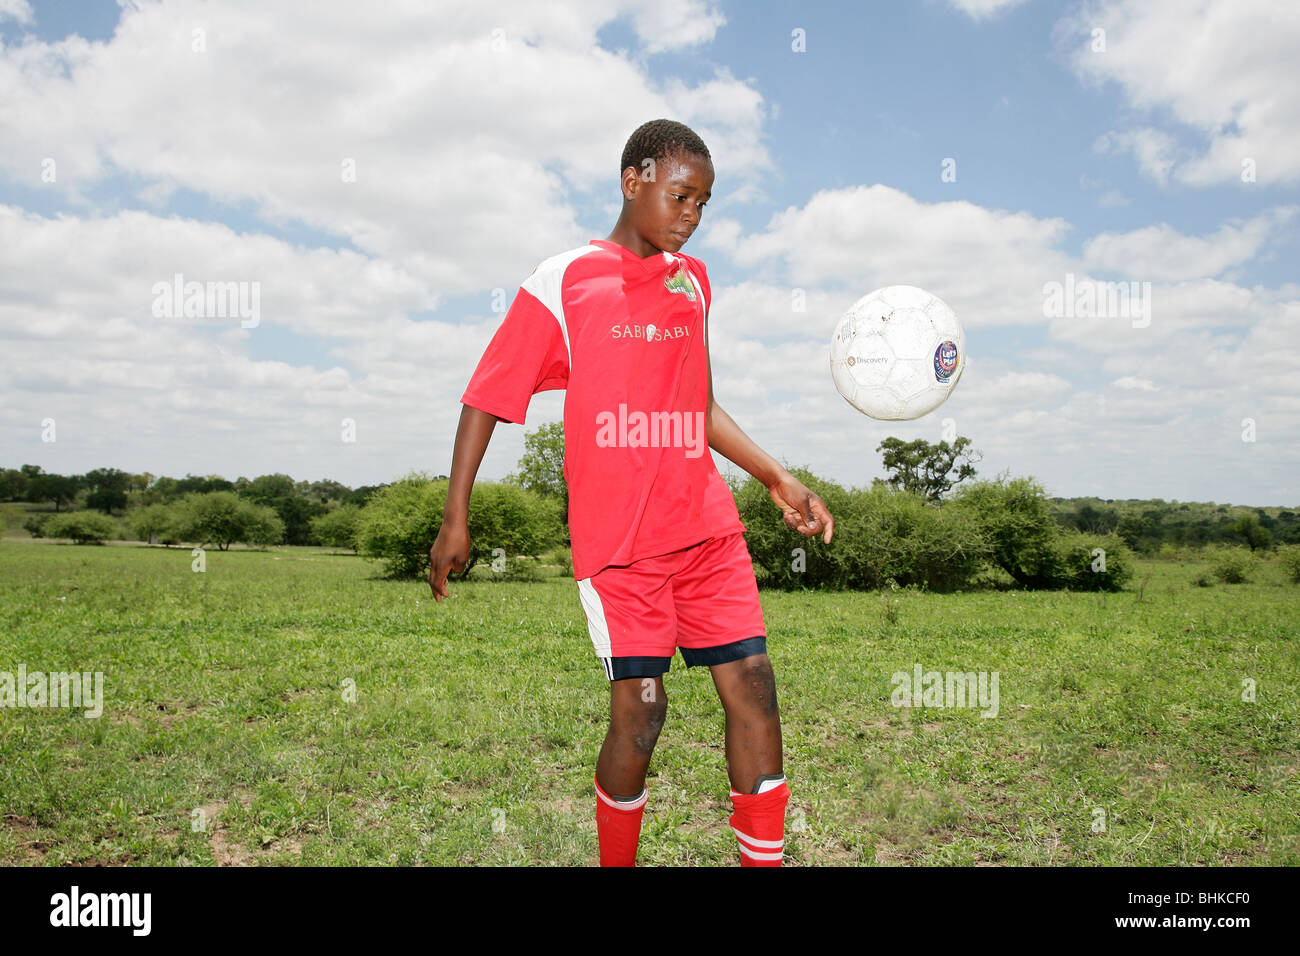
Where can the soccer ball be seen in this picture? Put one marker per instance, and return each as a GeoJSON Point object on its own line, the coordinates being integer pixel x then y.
{"type": "Point", "coordinates": [897, 353]}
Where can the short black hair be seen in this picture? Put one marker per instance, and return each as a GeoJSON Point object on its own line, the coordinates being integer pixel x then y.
{"type": "Point", "coordinates": [659, 140]}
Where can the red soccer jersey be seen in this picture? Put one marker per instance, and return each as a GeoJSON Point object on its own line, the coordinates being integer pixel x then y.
{"type": "Point", "coordinates": [625, 337]}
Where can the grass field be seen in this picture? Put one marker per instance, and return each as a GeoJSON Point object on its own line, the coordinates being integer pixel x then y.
{"type": "Point", "coordinates": [230, 732]}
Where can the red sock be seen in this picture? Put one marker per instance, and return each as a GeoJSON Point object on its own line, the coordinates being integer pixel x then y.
{"type": "Point", "coordinates": [618, 827]}
{"type": "Point", "coordinates": [759, 824]}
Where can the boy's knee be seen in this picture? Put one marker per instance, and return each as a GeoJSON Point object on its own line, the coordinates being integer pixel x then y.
{"type": "Point", "coordinates": [644, 713]}
{"type": "Point", "coordinates": [651, 722]}
{"type": "Point", "coordinates": [758, 683]}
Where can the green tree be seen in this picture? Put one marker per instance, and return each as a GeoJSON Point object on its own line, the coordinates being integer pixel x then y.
{"type": "Point", "coordinates": [61, 489]}
{"type": "Point", "coordinates": [338, 528]}
{"type": "Point", "coordinates": [83, 527]}
{"type": "Point", "coordinates": [401, 521]}
{"type": "Point", "coordinates": [223, 517]}
{"type": "Point", "coordinates": [153, 522]}
{"type": "Point", "coordinates": [541, 468]}
{"type": "Point", "coordinates": [13, 484]}
{"type": "Point", "coordinates": [1255, 534]}
{"type": "Point", "coordinates": [282, 494]}
{"type": "Point", "coordinates": [926, 469]}
{"type": "Point", "coordinates": [108, 487]}
{"type": "Point", "coordinates": [1016, 520]}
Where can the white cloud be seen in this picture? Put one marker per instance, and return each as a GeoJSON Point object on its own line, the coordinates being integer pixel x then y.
{"type": "Point", "coordinates": [460, 119]}
{"type": "Point", "coordinates": [19, 10]}
{"type": "Point", "coordinates": [1132, 382]}
{"type": "Point", "coordinates": [983, 9]}
{"type": "Point", "coordinates": [1160, 252]}
{"type": "Point", "coordinates": [988, 264]}
{"type": "Point", "coordinates": [1221, 69]}
{"type": "Point", "coordinates": [1136, 393]}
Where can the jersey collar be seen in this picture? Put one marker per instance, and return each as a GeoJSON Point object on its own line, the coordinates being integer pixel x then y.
{"type": "Point", "coordinates": [649, 262]}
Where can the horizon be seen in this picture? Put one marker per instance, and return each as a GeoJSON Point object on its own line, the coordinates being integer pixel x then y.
{"type": "Point", "coordinates": [377, 187]}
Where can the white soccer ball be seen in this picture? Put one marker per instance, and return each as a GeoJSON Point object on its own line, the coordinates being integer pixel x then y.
{"type": "Point", "coordinates": [897, 353]}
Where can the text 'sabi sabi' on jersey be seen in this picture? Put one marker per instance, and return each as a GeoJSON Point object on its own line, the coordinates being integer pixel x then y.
{"type": "Point", "coordinates": [625, 337]}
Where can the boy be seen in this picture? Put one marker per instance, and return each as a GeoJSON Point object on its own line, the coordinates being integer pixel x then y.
{"type": "Point", "coordinates": [658, 549]}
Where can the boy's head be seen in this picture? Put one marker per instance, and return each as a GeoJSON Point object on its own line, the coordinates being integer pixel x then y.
{"type": "Point", "coordinates": [667, 176]}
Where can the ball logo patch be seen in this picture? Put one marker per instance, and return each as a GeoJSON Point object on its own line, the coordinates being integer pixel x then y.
{"type": "Point", "coordinates": [945, 360]}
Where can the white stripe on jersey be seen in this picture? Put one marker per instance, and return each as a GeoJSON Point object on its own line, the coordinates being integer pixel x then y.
{"type": "Point", "coordinates": [545, 282]}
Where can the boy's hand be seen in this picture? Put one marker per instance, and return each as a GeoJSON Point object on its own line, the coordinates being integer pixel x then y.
{"type": "Point", "coordinates": [450, 552]}
{"type": "Point", "coordinates": [804, 510]}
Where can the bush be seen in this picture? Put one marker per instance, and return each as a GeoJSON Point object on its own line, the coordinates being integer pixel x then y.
{"type": "Point", "coordinates": [881, 535]}
{"type": "Point", "coordinates": [83, 527]}
{"type": "Point", "coordinates": [153, 521]}
{"type": "Point", "coordinates": [1015, 519]}
{"type": "Point", "coordinates": [338, 528]}
{"type": "Point", "coordinates": [1230, 566]}
{"type": "Point", "coordinates": [35, 525]}
{"type": "Point", "coordinates": [1089, 562]}
{"type": "Point", "coordinates": [562, 558]}
{"type": "Point", "coordinates": [223, 517]}
{"type": "Point", "coordinates": [401, 521]}
{"type": "Point", "coordinates": [771, 543]}
{"type": "Point", "coordinates": [1288, 555]}
{"type": "Point", "coordinates": [516, 568]}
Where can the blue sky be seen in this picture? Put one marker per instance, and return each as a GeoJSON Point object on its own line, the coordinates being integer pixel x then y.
{"type": "Point", "coordinates": [1110, 164]}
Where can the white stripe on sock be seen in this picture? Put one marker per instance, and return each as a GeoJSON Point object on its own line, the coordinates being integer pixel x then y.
{"type": "Point", "coordinates": [759, 856]}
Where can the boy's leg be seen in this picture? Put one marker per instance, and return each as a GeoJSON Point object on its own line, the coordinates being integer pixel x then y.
{"type": "Point", "coordinates": [721, 626]}
{"type": "Point", "coordinates": [637, 707]}
{"type": "Point", "coordinates": [632, 625]}
{"type": "Point", "coordinates": [747, 688]}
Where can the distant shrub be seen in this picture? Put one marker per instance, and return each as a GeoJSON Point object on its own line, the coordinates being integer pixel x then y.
{"type": "Point", "coordinates": [1288, 555]}
{"type": "Point", "coordinates": [513, 569]}
{"type": "Point", "coordinates": [83, 527]}
{"type": "Point", "coordinates": [880, 535]}
{"type": "Point", "coordinates": [1204, 580]}
{"type": "Point", "coordinates": [1089, 562]}
{"type": "Point", "coordinates": [401, 521]}
{"type": "Point", "coordinates": [156, 521]}
{"type": "Point", "coordinates": [35, 525]}
{"type": "Point", "coordinates": [1231, 565]}
{"type": "Point", "coordinates": [338, 528]}
{"type": "Point", "coordinates": [1015, 518]}
{"type": "Point", "coordinates": [561, 558]}
{"type": "Point", "coordinates": [223, 517]}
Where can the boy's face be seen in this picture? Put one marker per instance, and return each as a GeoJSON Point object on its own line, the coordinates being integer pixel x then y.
{"type": "Point", "coordinates": [666, 210]}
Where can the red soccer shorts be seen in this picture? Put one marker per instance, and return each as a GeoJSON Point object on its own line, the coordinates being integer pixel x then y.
{"type": "Point", "coordinates": [702, 599]}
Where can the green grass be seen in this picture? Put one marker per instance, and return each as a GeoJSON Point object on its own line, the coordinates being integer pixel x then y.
{"type": "Point", "coordinates": [227, 736]}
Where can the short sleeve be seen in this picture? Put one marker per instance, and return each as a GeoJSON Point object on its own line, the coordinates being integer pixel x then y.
{"type": "Point", "coordinates": [527, 355]}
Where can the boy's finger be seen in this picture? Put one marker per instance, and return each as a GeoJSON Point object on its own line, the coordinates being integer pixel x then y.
{"type": "Point", "coordinates": [827, 520]}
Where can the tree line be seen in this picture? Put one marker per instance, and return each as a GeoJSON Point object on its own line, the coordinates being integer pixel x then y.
{"type": "Point", "coordinates": [940, 533]}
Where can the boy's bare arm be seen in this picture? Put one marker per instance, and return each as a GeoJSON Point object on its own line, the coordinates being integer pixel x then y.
{"type": "Point", "coordinates": [803, 510]}
{"type": "Point", "coordinates": [450, 551]}
{"type": "Point", "coordinates": [472, 437]}
{"type": "Point", "coordinates": [729, 441]}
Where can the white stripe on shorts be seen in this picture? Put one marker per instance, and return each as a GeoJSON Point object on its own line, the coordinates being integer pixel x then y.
{"type": "Point", "coordinates": [597, 627]}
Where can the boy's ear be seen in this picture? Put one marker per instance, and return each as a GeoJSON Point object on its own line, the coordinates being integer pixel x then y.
{"type": "Point", "coordinates": [631, 183]}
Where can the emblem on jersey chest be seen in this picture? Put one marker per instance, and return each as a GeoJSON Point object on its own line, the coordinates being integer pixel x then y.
{"type": "Point", "coordinates": [679, 282]}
